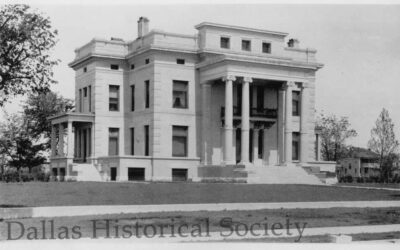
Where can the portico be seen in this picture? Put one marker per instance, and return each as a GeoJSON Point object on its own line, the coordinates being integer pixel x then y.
{"type": "Point", "coordinates": [247, 116]}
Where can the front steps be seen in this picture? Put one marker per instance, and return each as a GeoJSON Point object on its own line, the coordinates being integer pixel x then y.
{"type": "Point", "coordinates": [281, 175]}
{"type": "Point", "coordinates": [86, 172]}
{"type": "Point", "coordinates": [219, 173]}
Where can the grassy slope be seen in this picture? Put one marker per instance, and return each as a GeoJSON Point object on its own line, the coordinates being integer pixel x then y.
{"type": "Point", "coordinates": [91, 193]}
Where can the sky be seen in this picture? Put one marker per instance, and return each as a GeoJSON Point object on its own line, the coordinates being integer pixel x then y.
{"type": "Point", "coordinates": [359, 46]}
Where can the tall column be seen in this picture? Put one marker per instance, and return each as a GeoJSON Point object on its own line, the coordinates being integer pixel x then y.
{"type": "Point", "coordinates": [206, 118]}
{"type": "Point", "coordinates": [228, 147]}
{"type": "Point", "coordinates": [288, 123]}
{"type": "Point", "coordinates": [92, 142]}
{"type": "Point", "coordinates": [318, 147]}
{"type": "Point", "coordinates": [281, 125]}
{"type": "Point", "coordinates": [60, 139]}
{"type": "Point", "coordinates": [304, 133]}
{"type": "Point", "coordinates": [245, 120]}
{"type": "Point", "coordinates": [53, 140]}
{"type": "Point", "coordinates": [70, 140]}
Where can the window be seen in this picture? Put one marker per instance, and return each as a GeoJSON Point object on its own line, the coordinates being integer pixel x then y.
{"type": "Point", "coordinates": [132, 97]}
{"type": "Point", "coordinates": [179, 141]}
{"type": "Point", "coordinates": [146, 140]}
{"type": "Point", "coordinates": [246, 45]}
{"type": "Point", "coordinates": [136, 174]}
{"type": "Point", "coordinates": [179, 93]}
{"type": "Point", "coordinates": [266, 48]}
{"type": "Point", "coordinates": [113, 141]}
{"type": "Point", "coordinates": [132, 66]}
{"type": "Point", "coordinates": [90, 98]}
{"type": "Point", "coordinates": [296, 103]}
{"type": "Point", "coordinates": [132, 141]}
{"type": "Point", "coordinates": [180, 61]}
{"type": "Point", "coordinates": [349, 166]}
{"type": "Point", "coordinates": [113, 98]}
{"type": "Point", "coordinates": [179, 174]}
{"type": "Point", "coordinates": [260, 143]}
{"type": "Point", "coordinates": [85, 92]}
{"type": "Point", "coordinates": [366, 170]}
{"type": "Point", "coordinates": [147, 93]}
{"type": "Point", "coordinates": [295, 146]}
{"type": "Point", "coordinates": [84, 70]}
{"type": "Point", "coordinates": [80, 100]}
{"type": "Point", "coordinates": [225, 42]}
{"type": "Point", "coordinates": [147, 61]}
{"type": "Point", "coordinates": [114, 66]}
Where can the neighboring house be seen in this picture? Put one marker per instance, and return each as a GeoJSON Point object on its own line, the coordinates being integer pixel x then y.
{"type": "Point", "coordinates": [361, 163]}
{"type": "Point", "coordinates": [166, 106]}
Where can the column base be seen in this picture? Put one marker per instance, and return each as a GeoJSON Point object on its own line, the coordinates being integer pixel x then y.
{"type": "Point", "coordinates": [246, 164]}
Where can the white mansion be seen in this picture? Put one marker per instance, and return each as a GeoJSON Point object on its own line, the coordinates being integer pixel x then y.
{"type": "Point", "coordinates": [230, 104]}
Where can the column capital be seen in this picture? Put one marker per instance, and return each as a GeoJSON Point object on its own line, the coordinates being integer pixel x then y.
{"type": "Point", "coordinates": [229, 78]}
{"type": "Point", "coordinates": [247, 79]}
{"type": "Point", "coordinates": [289, 84]}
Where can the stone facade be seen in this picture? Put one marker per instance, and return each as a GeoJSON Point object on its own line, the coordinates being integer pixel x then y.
{"type": "Point", "coordinates": [164, 105]}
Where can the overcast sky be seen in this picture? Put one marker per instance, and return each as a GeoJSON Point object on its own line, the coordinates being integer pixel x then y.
{"type": "Point", "coordinates": [358, 44]}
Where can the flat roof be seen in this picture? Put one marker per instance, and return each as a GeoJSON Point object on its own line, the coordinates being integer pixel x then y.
{"type": "Point", "coordinates": [232, 27]}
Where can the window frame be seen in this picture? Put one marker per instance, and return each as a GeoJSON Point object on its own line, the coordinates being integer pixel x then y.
{"type": "Point", "coordinates": [147, 94]}
{"type": "Point", "coordinates": [133, 97]}
{"type": "Point", "coordinates": [249, 44]}
{"type": "Point", "coordinates": [118, 98]}
{"type": "Point", "coordinates": [114, 66]}
{"type": "Point", "coordinates": [186, 137]}
{"type": "Point", "coordinates": [269, 50]}
{"type": "Point", "coordinates": [180, 61]}
{"type": "Point", "coordinates": [186, 106]}
{"type": "Point", "coordinates": [228, 42]}
{"type": "Point", "coordinates": [296, 103]}
{"type": "Point", "coordinates": [110, 130]}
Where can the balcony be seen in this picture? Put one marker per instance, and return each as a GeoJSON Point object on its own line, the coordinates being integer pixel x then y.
{"type": "Point", "coordinates": [254, 112]}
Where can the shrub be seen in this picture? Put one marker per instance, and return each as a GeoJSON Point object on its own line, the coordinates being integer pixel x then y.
{"type": "Point", "coordinates": [349, 179]}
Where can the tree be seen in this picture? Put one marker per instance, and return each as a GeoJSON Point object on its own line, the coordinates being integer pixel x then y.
{"type": "Point", "coordinates": [335, 132]}
{"type": "Point", "coordinates": [39, 107]}
{"type": "Point", "coordinates": [17, 144]}
{"type": "Point", "coordinates": [383, 142]}
{"type": "Point", "coordinates": [26, 39]}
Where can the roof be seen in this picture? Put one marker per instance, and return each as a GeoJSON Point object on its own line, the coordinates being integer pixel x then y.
{"type": "Point", "coordinates": [362, 153]}
{"type": "Point", "coordinates": [232, 27]}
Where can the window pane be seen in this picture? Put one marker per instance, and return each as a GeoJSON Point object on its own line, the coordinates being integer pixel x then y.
{"type": "Point", "coordinates": [180, 94]}
{"type": "Point", "coordinates": [179, 141]}
{"type": "Point", "coordinates": [113, 98]}
{"type": "Point", "coordinates": [225, 42]}
{"type": "Point", "coordinates": [113, 138]}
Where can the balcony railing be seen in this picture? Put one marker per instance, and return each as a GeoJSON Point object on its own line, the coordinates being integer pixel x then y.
{"type": "Point", "coordinates": [254, 112]}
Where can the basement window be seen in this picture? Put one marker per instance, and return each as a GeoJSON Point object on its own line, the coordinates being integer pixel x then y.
{"type": "Point", "coordinates": [179, 174]}
{"type": "Point", "coordinates": [136, 174]}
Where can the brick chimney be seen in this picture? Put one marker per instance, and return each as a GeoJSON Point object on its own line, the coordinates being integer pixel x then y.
{"type": "Point", "coordinates": [143, 26]}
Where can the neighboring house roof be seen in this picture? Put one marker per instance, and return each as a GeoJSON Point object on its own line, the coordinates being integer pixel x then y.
{"type": "Point", "coordinates": [362, 153]}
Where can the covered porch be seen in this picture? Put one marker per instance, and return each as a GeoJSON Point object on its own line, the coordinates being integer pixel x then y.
{"type": "Point", "coordinates": [72, 140]}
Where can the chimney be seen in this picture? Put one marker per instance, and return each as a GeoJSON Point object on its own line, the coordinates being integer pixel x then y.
{"type": "Point", "coordinates": [143, 26]}
{"type": "Point", "coordinates": [293, 43]}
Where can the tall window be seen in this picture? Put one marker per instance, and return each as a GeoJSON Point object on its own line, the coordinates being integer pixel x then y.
{"type": "Point", "coordinates": [90, 98]}
{"type": "Point", "coordinates": [85, 91]}
{"type": "Point", "coordinates": [180, 94]}
{"type": "Point", "coordinates": [296, 103]}
{"type": "Point", "coordinates": [132, 141]}
{"type": "Point", "coordinates": [113, 98]}
{"type": "Point", "coordinates": [133, 98]}
{"type": "Point", "coordinates": [266, 48]}
{"type": "Point", "coordinates": [113, 141]}
{"type": "Point", "coordinates": [179, 141]}
{"type": "Point", "coordinates": [80, 100]}
{"type": "Point", "coordinates": [147, 93]}
{"type": "Point", "coordinates": [246, 45]}
{"type": "Point", "coordinates": [225, 42]}
{"type": "Point", "coordinates": [295, 146]}
{"type": "Point", "coordinates": [146, 140]}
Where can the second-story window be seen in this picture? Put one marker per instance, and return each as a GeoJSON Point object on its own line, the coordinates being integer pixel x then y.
{"type": "Point", "coordinates": [266, 48]}
{"type": "Point", "coordinates": [85, 92]}
{"type": "Point", "coordinates": [114, 98]}
{"type": "Point", "coordinates": [180, 94]}
{"type": "Point", "coordinates": [246, 45]}
{"type": "Point", "coordinates": [296, 103]}
{"type": "Point", "coordinates": [147, 93]}
{"type": "Point", "coordinates": [147, 61]}
{"type": "Point", "coordinates": [225, 42]}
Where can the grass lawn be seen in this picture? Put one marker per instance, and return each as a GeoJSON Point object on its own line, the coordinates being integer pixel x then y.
{"type": "Point", "coordinates": [375, 185]}
{"type": "Point", "coordinates": [308, 218]}
{"type": "Point", "coordinates": [106, 193]}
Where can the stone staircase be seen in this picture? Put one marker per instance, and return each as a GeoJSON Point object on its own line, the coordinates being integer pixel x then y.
{"type": "Point", "coordinates": [219, 173]}
{"type": "Point", "coordinates": [281, 175]}
{"type": "Point", "coordinates": [87, 172]}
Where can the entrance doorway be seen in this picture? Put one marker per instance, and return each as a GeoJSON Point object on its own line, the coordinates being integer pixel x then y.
{"type": "Point", "coordinates": [113, 174]}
